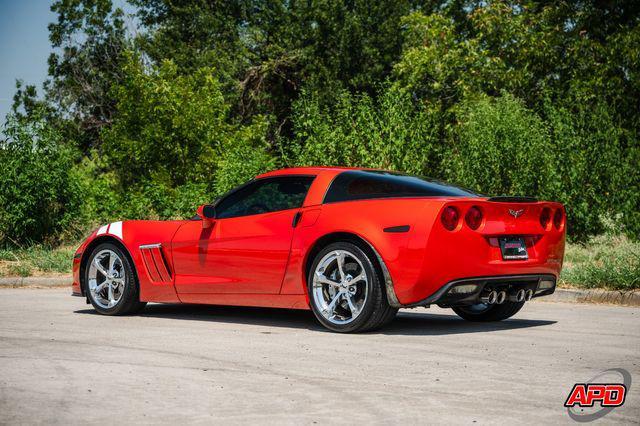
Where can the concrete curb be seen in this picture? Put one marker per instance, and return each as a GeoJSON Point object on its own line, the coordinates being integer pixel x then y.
{"type": "Point", "coordinates": [43, 282]}
{"type": "Point", "coordinates": [567, 295]}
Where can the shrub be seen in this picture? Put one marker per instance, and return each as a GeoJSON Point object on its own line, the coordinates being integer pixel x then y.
{"type": "Point", "coordinates": [38, 194]}
{"type": "Point", "coordinates": [588, 167]}
{"type": "Point", "coordinates": [579, 157]}
{"type": "Point", "coordinates": [390, 133]}
{"type": "Point", "coordinates": [500, 148]}
{"type": "Point", "coordinates": [607, 261]}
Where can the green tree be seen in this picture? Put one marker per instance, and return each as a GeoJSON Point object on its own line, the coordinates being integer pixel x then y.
{"type": "Point", "coordinates": [173, 131]}
{"type": "Point", "coordinates": [89, 38]}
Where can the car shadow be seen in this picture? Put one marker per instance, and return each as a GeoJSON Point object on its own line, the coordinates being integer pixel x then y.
{"type": "Point", "coordinates": [406, 323]}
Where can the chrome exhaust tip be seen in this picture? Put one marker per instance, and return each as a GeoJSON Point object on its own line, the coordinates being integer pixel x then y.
{"type": "Point", "coordinates": [489, 298]}
{"type": "Point", "coordinates": [502, 296]}
{"type": "Point", "coordinates": [528, 295]}
{"type": "Point", "coordinates": [516, 295]}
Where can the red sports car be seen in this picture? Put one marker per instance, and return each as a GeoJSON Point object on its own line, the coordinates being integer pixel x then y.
{"type": "Point", "coordinates": [352, 245]}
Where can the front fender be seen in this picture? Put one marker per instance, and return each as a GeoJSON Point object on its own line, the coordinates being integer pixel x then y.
{"type": "Point", "coordinates": [130, 235]}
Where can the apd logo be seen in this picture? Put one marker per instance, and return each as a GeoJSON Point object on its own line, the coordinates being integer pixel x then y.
{"type": "Point", "coordinates": [596, 398]}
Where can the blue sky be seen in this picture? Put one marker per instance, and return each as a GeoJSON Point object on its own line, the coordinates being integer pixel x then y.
{"type": "Point", "coordinates": [24, 45]}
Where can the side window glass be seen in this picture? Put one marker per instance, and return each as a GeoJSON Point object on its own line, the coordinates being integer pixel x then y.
{"type": "Point", "coordinates": [365, 184]}
{"type": "Point", "coordinates": [264, 196]}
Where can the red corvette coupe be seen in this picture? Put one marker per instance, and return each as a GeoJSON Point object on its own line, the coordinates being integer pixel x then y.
{"type": "Point", "coordinates": [352, 245]}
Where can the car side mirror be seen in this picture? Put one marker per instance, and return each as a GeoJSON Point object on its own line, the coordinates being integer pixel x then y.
{"type": "Point", "coordinates": [207, 213]}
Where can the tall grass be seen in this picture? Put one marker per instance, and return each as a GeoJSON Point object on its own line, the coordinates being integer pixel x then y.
{"type": "Point", "coordinates": [36, 260]}
{"type": "Point", "coordinates": [610, 262]}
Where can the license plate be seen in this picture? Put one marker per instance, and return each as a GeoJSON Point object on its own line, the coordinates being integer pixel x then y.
{"type": "Point", "coordinates": [513, 248]}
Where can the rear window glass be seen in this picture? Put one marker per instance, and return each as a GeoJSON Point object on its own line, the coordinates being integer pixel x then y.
{"type": "Point", "coordinates": [366, 184]}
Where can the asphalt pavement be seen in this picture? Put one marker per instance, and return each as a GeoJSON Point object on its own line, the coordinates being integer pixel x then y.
{"type": "Point", "coordinates": [60, 363]}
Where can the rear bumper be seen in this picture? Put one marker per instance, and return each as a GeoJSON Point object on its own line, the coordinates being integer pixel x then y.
{"type": "Point", "coordinates": [444, 297]}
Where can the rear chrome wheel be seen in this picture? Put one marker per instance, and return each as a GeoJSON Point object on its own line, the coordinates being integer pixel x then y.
{"type": "Point", "coordinates": [346, 291]}
{"type": "Point", "coordinates": [340, 287]}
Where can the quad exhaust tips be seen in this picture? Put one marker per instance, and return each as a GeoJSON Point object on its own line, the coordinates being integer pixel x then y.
{"type": "Point", "coordinates": [499, 297]}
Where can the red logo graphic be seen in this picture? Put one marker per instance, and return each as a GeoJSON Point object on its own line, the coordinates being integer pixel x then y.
{"type": "Point", "coordinates": [587, 394]}
{"type": "Point", "coordinates": [598, 396]}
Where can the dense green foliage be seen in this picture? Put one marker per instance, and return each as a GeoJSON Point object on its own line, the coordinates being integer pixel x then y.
{"type": "Point", "coordinates": [38, 194]}
{"type": "Point", "coordinates": [387, 133]}
{"type": "Point", "coordinates": [605, 261]}
{"type": "Point", "coordinates": [504, 97]}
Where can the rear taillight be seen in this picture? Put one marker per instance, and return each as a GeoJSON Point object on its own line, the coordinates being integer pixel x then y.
{"type": "Point", "coordinates": [558, 216]}
{"type": "Point", "coordinates": [473, 217]}
{"type": "Point", "coordinates": [545, 217]}
{"type": "Point", "coordinates": [450, 218]}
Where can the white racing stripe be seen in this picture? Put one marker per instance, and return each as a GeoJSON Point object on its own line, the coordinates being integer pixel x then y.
{"type": "Point", "coordinates": [102, 230]}
{"type": "Point", "coordinates": [116, 229]}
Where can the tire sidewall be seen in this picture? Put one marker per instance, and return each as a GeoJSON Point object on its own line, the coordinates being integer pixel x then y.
{"type": "Point", "coordinates": [373, 283]}
{"type": "Point", "coordinates": [130, 290]}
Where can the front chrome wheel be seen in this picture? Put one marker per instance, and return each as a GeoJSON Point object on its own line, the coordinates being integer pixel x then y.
{"type": "Point", "coordinates": [340, 287]}
{"type": "Point", "coordinates": [106, 278]}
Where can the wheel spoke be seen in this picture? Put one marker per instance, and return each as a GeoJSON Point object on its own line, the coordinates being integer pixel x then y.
{"type": "Point", "coordinates": [99, 267]}
{"type": "Point", "coordinates": [340, 261]}
{"type": "Point", "coordinates": [112, 263]}
{"type": "Point", "coordinates": [100, 287]}
{"type": "Point", "coordinates": [360, 277]}
{"type": "Point", "coordinates": [352, 307]}
{"type": "Point", "coordinates": [323, 279]}
{"type": "Point", "coordinates": [331, 307]}
{"type": "Point", "coordinates": [110, 296]}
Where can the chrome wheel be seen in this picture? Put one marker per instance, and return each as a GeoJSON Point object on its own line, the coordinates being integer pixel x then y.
{"type": "Point", "coordinates": [340, 287]}
{"type": "Point", "coordinates": [106, 279]}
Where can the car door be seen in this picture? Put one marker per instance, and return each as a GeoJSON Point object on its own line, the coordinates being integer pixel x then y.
{"type": "Point", "coordinates": [246, 249]}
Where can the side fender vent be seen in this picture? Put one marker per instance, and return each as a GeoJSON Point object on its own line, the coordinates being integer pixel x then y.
{"type": "Point", "coordinates": [155, 263]}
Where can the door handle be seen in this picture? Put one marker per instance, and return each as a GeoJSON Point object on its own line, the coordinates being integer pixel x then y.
{"type": "Point", "coordinates": [296, 219]}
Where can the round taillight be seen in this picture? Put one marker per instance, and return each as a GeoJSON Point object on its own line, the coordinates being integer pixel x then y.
{"type": "Point", "coordinates": [557, 218]}
{"type": "Point", "coordinates": [450, 218]}
{"type": "Point", "coordinates": [473, 217]}
{"type": "Point", "coordinates": [545, 217]}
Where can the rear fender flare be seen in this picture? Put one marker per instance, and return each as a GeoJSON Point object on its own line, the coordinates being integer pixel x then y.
{"type": "Point", "coordinates": [350, 236]}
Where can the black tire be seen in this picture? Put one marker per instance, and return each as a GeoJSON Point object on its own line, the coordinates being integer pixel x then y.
{"type": "Point", "coordinates": [130, 302]}
{"type": "Point", "coordinates": [493, 313]}
{"type": "Point", "coordinates": [376, 311]}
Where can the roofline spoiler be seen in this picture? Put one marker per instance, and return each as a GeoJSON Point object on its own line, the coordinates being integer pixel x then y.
{"type": "Point", "coordinates": [507, 199]}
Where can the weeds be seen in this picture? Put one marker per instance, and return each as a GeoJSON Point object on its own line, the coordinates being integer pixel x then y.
{"type": "Point", "coordinates": [610, 262]}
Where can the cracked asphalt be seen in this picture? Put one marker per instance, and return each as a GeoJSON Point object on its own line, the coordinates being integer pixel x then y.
{"type": "Point", "coordinates": [60, 363]}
